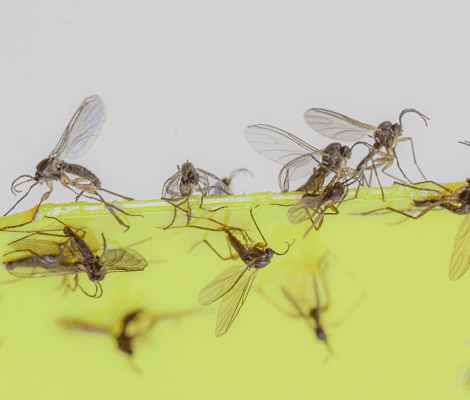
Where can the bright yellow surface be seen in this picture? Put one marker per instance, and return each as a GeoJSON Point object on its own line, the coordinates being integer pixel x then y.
{"type": "Point", "coordinates": [408, 339]}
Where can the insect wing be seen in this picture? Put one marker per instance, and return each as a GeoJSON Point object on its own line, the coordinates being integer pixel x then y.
{"type": "Point", "coordinates": [460, 260]}
{"type": "Point", "coordinates": [82, 130]}
{"type": "Point", "coordinates": [171, 188]}
{"type": "Point", "coordinates": [40, 267]}
{"type": "Point", "coordinates": [233, 302]}
{"type": "Point", "coordinates": [27, 247]}
{"type": "Point", "coordinates": [123, 260]}
{"type": "Point", "coordinates": [81, 326]}
{"type": "Point", "coordinates": [297, 168]}
{"type": "Point", "coordinates": [278, 145]}
{"type": "Point", "coordinates": [336, 126]}
{"type": "Point", "coordinates": [296, 305]}
{"type": "Point", "coordinates": [221, 285]}
{"type": "Point", "coordinates": [208, 182]}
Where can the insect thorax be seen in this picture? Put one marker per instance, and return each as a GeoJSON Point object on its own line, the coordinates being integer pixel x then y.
{"type": "Point", "coordinates": [50, 169]}
{"type": "Point", "coordinates": [189, 175]}
{"type": "Point", "coordinates": [263, 259]}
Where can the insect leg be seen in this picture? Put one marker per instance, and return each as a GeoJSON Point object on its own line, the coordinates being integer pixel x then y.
{"type": "Point", "coordinates": [34, 184]}
{"type": "Point", "coordinates": [232, 256]}
{"type": "Point", "coordinates": [414, 157]}
{"type": "Point", "coordinates": [276, 305]}
{"type": "Point", "coordinates": [200, 205]}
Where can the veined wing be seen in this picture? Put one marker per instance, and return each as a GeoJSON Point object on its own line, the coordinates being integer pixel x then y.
{"type": "Point", "coordinates": [278, 145]}
{"type": "Point", "coordinates": [81, 326]}
{"type": "Point", "coordinates": [82, 130]}
{"type": "Point", "coordinates": [297, 168]}
{"type": "Point", "coordinates": [28, 247]}
{"type": "Point", "coordinates": [123, 260]}
{"type": "Point", "coordinates": [233, 302]}
{"type": "Point", "coordinates": [208, 182]}
{"type": "Point", "coordinates": [336, 126]}
{"type": "Point", "coordinates": [40, 267]}
{"type": "Point", "coordinates": [221, 285]}
{"type": "Point", "coordinates": [460, 260]}
{"type": "Point", "coordinates": [171, 188]}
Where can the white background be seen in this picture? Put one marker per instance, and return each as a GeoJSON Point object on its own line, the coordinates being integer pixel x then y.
{"type": "Point", "coordinates": [182, 80]}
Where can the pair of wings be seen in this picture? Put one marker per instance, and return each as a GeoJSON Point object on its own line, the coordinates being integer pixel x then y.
{"type": "Point", "coordinates": [82, 130]}
{"type": "Point", "coordinates": [207, 183]}
{"type": "Point", "coordinates": [50, 261]}
{"type": "Point", "coordinates": [300, 158]}
{"type": "Point", "coordinates": [233, 285]}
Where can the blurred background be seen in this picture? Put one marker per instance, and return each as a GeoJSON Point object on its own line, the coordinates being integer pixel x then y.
{"type": "Point", "coordinates": [181, 81]}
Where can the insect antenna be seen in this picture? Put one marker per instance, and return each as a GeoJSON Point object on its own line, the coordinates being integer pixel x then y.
{"type": "Point", "coordinates": [34, 184]}
{"type": "Point", "coordinates": [98, 289]}
{"type": "Point", "coordinates": [14, 189]}
{"type": "Point", "coordinates": [415, 111]}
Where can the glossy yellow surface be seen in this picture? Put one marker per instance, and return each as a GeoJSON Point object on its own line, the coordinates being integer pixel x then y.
{"type": "Point", "coordinates": [408, 338]}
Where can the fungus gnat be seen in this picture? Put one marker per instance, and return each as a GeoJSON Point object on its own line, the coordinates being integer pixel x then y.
{"type": "Point", "coordinates": [189, 180]}
{"type": "Point", "coordinates": [33, 258]}
{"type": "Point", "coordinates": [79, 135]}
{"type": "Point", "coordinates": [339, 127]}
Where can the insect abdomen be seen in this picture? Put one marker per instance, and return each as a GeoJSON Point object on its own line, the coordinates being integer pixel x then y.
{"type": "Point", "coordinates": [82, 172]}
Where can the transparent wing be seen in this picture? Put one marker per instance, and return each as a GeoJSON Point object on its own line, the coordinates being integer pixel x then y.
{"type": "Point", "coordinates": [294, 303]}
{"type": "Point", "coordinates": [82, 130]}
{"type": "Point", "coordinates": [26, 248]}
{"type": "Point", "coordinates": [460, 260]}
{"type": "Point", "coordinates": [171, 188]}
{"type": "Point", "coordinates": [208, 182]}
{"type": "Point", "coordinates": [304, 209]}
{"type": "Point", "coordinates": [37, 267]}
{"type": "Point", "coordinates": [123, 260]}
{"type": "Point", "coordinates": [299, 167]}
{"type": "Point", "coordinates": [81, 326]}
{"type": "Point", "coordinates": [278, 145]}
{"type": "Point", "coordinates": [336, 126]}
{"type": "Point", "coordinates": [233, 302]}
{"type": "Point", "coordinates": [222, 284]}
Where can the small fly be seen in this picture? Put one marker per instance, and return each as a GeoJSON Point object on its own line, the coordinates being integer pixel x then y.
{"type": "Point", "coordinates": [233, 285]}
{"type": "Point", "coordinates": [134, 325]}
{"type": "Point", "coordinates": [43, 258]}
{"type": "Point", "coordinates": [79, 135]}
{"type": "Point", "coordinates": [299, 158]}
{"type": "Point", "coordinates": [187, 181]}
{"type": "Point", "coordinates": [337, 126]}
{"type": "Point", "coordinates": [457, 202]}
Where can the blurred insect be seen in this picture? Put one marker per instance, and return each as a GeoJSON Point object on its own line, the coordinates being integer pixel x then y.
{"type": "Point", "coordinates": [319, 202]}
{"type": "Point", "coordinates": [337, 126]}
{"type": "Point", "coordinates": [227, 181]}
{"type": "Point", "coordinates": [135, 325]}
{"type": "Point", "coordinates": [457, 202]}
{"type": "Point", "coordinates": [299, 158]}
{"type": "Point", "coordinates": [79, 135]}
{"type": "Point", "coordinates": [234, 283]}
{"type": "Point", "coordinates": [314, 311]}
{"type": "Point", "coordinates": [185, 182]}
{"type": "Point", "coordinates": [43, 258]}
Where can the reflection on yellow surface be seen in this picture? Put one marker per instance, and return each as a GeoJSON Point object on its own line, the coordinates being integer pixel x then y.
{"type": "Point", "coordinates": [405, 340]}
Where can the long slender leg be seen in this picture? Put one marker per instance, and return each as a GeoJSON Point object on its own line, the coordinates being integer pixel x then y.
{"type": "Point", "coordinates": [271, 301]}
{"type": "Point", "coordinates": [414, 156]}
{"type": "Point", "coordinates": [202, 208]}
{"type": "Point", "coordinates": [398, 165]}
{"type": "Point", "coordinates": [429, 208]}
{"type": "Point", "coordinates": [232, 256]}
{"type": "Point", "coordinates": [257, 227]}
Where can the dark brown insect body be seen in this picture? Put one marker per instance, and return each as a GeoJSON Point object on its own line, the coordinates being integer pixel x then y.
{"type": "Point", "coordinates": [187, 181]}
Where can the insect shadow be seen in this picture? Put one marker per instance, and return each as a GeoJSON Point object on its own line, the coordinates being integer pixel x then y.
{"type": "Point", "coordinates": [233, 285]}
{"type": "Point", "coordinates": [43, 258]}
{"type": "Point", "coordinates": [312, 311]}
{"type": "Point", "coordinates": [134, 326]}
{"type": "Point", "coordinates": [387, 135]}
{"type": "Point", "coordinates": [79, 135]}
{"type": "Point", "coordinates": [189, 180]}
{"type": "Point", "coordinates": [457, 202]}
